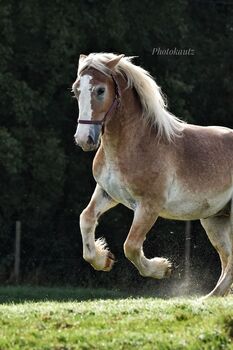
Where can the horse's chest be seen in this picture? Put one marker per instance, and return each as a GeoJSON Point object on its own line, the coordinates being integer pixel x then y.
{"type": "Point", "coordinates": [112, 181]}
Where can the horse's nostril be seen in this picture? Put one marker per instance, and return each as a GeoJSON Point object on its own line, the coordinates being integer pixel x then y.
{"type": "Point", "coordinates": [90, 140]}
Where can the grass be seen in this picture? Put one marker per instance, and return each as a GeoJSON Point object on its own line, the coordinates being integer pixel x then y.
{"type": "Point", "coordinates": [20, 294]}
{"type": "Point", "coordinates": [87, 321]}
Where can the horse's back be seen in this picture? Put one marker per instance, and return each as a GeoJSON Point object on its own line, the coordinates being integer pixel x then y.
{"type": "Point", "coordinates": [205, 152]}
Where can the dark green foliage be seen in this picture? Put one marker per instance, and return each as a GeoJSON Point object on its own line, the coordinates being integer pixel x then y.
{"type": "Point", "coordinates": [45, 180]}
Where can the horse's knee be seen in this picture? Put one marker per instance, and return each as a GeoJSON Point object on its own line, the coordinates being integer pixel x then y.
{"type": "Point", "coordinates": [87, 218]}
{"type": "Point", "coordinates": [130, 250]}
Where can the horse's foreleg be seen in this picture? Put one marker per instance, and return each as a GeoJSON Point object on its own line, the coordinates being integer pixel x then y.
{"type": "Point", "coordinates": [96, 252]}
{"type": "Point", "coordinates": [142, 223]}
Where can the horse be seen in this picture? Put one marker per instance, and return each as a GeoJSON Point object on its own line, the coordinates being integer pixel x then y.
{"type": "Point", "coordinates": [151, 162]}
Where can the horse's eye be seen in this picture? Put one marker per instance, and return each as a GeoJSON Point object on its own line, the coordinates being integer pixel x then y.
{"type": "Point", "coordinates": [100, 91]}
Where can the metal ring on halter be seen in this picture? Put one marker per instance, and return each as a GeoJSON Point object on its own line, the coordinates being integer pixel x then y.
{"type": "Point", "coordinates": [114, 105]}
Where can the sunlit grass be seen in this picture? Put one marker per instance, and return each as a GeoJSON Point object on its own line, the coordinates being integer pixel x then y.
{"type": "Point", "coordinates": [141, 323]}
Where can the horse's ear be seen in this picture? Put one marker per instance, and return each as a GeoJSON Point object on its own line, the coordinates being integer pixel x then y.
{"type": "Point", "coordinates": [114, 61]}
{"type": "Point", "coordinates": [82, 57]}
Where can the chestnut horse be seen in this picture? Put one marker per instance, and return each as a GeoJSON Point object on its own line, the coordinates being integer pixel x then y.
{"type": "Point", "coordinates": [151, 162]}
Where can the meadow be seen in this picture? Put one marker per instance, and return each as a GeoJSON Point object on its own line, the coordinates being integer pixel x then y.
{"type": "Point", "coordinates": [70, 319]}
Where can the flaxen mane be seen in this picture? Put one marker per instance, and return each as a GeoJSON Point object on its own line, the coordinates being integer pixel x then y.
{"type": "Point", "coordinates": [150, 94]}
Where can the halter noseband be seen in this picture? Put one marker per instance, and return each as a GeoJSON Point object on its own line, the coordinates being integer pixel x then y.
{"type": "Point", "coordinates": [114, 105]}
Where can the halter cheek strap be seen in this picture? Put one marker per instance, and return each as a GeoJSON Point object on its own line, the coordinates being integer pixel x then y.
{"type": "Point", "coordinates": [114, 105]}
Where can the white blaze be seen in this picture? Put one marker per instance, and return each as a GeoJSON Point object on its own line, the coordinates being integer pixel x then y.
{"type": "Point", "coordinates": [85, 110]}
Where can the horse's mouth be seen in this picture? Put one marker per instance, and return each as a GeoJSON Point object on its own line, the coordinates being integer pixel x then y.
{"type": "Point", "coordinates": [88, 147]}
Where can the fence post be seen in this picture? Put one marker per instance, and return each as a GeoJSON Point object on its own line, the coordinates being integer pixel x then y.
{"type": "Point", "coordinates": [187, 250]}
{"type": "Point", "coordinates": [17, 251]}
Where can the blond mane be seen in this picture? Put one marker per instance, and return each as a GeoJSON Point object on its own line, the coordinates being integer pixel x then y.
{"type": "Point", "coordinates": [152, 100]}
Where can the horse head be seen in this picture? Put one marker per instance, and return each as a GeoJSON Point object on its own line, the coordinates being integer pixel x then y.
{"type": "Point", "coordinates": [98, 95]}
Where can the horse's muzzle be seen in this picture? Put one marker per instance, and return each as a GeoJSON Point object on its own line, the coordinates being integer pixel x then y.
{"type": "Point", "coordinates": [92, 141]}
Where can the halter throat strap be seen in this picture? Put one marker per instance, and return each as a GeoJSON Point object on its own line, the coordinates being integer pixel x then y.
{"type": "Point", "coordinates": [114, 105]}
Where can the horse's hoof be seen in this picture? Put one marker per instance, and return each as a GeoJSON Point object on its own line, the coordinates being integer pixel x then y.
{"type": "Point", "coordinates": [111, 256]}
{"type": "Point", "coordinates": [169, 271]}
{"type": "Point", "coordinates": [110, 260]}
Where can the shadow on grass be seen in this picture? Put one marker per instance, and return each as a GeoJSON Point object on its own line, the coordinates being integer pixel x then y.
{"type": "Point", "coordinates": [20, 294]}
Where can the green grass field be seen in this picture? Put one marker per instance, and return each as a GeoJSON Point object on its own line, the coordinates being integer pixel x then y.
{"type": "Point", "coordinates": [67, 319]}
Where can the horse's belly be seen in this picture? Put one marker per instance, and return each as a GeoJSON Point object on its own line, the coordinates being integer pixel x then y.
{"type": "Point", "coordinates": [189, 206]}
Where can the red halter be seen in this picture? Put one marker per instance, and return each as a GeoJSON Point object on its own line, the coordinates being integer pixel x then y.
{"type": "Point", "coordinates": [114, 105]}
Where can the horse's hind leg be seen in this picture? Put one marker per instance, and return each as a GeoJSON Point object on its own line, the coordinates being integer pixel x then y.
{"type": "Point", "coordinates": [219, 231]}
{"type": "Point", "coordinates": [96, 252]}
